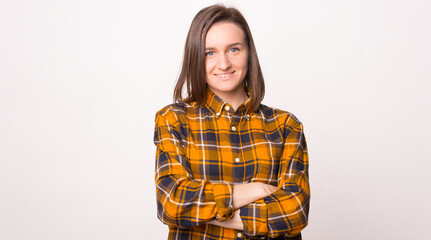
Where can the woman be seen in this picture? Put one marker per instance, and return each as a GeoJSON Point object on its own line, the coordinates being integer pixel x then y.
{"type": "Point", "coordinates": [228, 167]}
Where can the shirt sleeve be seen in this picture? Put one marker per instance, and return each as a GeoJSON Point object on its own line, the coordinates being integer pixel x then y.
{"type": "Point", "coordinates": [181, 200]}
{"type": "Point", "coordinates": [284, 212]}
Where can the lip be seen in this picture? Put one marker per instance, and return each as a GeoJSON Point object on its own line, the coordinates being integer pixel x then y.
{"type": "Point", "coordinates": [224, 76]}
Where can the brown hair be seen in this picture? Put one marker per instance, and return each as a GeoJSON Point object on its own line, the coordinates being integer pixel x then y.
{"type": "Point", "coordinates": [193, 71]}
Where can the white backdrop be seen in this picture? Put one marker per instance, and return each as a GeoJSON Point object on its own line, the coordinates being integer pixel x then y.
{"type": "Point", "coordinates": [81, 81]}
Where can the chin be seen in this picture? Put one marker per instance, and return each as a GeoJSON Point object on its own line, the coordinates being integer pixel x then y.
{"type": "Point", "coordinates": [226, 89]}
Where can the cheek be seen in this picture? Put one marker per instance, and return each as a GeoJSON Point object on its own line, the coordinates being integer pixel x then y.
{"type": "Point", "coordinates": [243, 63]}
{"type": "Point", "coordinates": [241, 59]}
{"type": "Point", "coordinates": [209, 66]}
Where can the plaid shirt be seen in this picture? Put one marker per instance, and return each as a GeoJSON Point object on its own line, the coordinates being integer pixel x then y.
{"type": "Point", "coordinates": [203, 151]}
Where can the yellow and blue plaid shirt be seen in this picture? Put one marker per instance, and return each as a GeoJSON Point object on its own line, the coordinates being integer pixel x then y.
{"type": "Point", "coordinates": [203, 151]}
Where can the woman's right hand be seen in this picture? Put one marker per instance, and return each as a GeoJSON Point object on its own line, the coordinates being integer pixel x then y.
{"type": "Point", "coordinates": [244, 194]}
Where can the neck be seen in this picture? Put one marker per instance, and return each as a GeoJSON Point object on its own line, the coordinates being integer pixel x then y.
{"type": "Point", "coordinates": [234, 98]}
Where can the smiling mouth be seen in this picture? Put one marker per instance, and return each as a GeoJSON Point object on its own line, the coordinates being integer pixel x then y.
{"type": "Point", "coordinates": [224, 76]}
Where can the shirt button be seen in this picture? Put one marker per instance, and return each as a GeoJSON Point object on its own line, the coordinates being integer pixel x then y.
{"type": "Point", "coordinates": [239, 234]}
{"type": "Point", "coordinates": [233, 128]}
{"type": "Point", "coordinates": [237, 160]}
{"type": "Point", "coordinates": [227, 108]}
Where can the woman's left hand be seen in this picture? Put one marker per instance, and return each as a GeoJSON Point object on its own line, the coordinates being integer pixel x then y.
{"type": "Point", "coordinates": [234, 223]}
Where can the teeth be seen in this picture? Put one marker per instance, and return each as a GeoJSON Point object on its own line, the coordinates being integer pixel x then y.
{"type": "Point", "coordinates": [224, 75]}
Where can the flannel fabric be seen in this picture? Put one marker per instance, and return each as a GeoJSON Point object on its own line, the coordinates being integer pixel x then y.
{"type": "Point", "coordinates": [202, 151]}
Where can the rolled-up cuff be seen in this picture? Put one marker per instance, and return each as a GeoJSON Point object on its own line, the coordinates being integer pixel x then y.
{"type": "Point", "coordinates": [223, 199]}
{"type": "Point", "coordinates": [254, 218]}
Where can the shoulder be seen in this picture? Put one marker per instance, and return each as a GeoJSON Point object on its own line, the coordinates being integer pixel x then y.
{"type": "Point", "coordinates": [281, 116]}
{"type": "Point", "coordinates": [170, 109]}
{"type": "Point", "coordinates": [174, 112]}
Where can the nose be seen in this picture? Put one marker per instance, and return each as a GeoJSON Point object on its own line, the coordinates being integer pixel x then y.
{"type": "Point", "coordinates": [223, 62]}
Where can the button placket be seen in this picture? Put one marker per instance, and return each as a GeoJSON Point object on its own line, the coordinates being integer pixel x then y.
{"type": "Point", "coordinates": [235, 138]}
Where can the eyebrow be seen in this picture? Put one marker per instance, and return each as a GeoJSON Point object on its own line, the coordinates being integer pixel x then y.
{"type": "Point", "coordinates": [230, 45]}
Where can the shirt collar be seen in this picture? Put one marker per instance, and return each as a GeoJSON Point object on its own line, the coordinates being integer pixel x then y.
{"type": "Point", "coordinates": [216, 104]}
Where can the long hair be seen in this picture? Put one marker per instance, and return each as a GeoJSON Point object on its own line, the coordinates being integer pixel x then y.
{"type": "Point", "coordinates": [193, 71]}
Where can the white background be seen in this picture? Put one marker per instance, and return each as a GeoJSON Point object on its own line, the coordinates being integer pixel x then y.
{"type": "Point", "coordinates": [81, 81]}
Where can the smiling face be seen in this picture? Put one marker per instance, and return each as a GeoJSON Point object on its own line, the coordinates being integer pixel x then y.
{"type": "Point", "coordinates": [226, 60]}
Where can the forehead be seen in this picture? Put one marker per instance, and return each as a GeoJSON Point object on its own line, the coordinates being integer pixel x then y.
{"type": "Point", "coordinates": [224, 33]}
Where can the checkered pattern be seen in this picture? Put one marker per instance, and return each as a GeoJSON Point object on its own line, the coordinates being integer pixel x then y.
{"type": "Point", "coordinates": [203, 151]}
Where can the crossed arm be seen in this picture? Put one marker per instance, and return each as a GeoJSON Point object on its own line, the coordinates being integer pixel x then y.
{"type": "Point", "coordinates": [244, 194]}
{"type": "Point", "coordinates": [257, 208]}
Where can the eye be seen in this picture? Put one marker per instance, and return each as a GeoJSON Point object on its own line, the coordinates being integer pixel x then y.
{"type": "Point", "coordinates": [209, 53]}
{"type": "Point", "coordinates": [234, 50]}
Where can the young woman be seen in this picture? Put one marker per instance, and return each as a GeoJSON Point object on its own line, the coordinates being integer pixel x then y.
{"type": "Point", "coordinates": [228, 167]}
